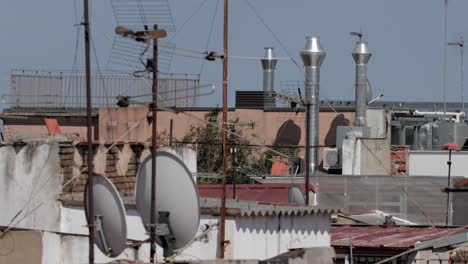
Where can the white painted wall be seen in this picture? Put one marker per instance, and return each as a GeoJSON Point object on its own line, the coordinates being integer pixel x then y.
{"type": "Point", "coordinates": [30, 182]}
{"type": "Point", "coordinates": [434, 163]}
{"type": "Point", "coordinates": [188, 156]}
{"type": "Point", "coordinates": [251, 237]}
{"type": "Point", "coordinates": [30, 179]}
{"type": "Point", "coordinates": [262, 237]}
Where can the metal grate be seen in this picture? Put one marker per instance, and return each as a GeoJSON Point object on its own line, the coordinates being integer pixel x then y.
{"type": "Point", "coordinates": [135, 14]}
{"type": "Point", "coordinates": [66, 90]}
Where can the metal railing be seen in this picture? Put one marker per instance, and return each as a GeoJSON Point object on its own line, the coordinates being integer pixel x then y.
{"type": "Point", "coordinates": [66, 90]}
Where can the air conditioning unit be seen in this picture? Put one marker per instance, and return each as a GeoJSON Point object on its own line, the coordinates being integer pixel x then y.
{"type": "Point", "coordinates": [332, 158]}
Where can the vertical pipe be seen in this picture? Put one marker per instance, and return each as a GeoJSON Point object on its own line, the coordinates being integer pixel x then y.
{"type": "Point", "coordinates": [307, 153]}
{"type": "Point", "coordinates": [361, 95]}
{"type": "Point", "coordinates": [268, 62]}
{"type": "Point", "coordinates": [89, 133]}
{"type": "Point", "coordinates": [312, 56]}
{"type": "Point", "coordinates": [312, 81]}
{"type": "Point", "coordinates": [223, 132]}
{"type": "Point", "coordinates": [154, 147]}
{"type": "Point", "coordinates": [314, 118]}
{"type": "Point", "coordinates": [361, 56]}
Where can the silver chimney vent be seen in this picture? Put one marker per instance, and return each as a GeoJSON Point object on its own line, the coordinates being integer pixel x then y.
{"type": "Point", "coordinates": [312, 55]}
{"type": "Point", "coordinates": [268, 64]}
{"type": "Point", "coordinates": [361, 56]}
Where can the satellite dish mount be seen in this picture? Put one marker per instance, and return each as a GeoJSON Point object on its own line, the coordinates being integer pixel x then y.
{"type": "Point", "coordinates": [164, 233]}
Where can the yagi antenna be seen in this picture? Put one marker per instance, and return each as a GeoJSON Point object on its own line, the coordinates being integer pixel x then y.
{"type": "Point", "coordinates": [125, 101]}
{"type": "Point", "coordinates": [358, 34]}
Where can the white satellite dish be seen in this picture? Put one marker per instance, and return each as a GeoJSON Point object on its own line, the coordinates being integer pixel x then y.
{"type": "Point", "coordinates": [176, 198]}
{"type": "Point", "coordinates": [109, 216]}
{"type": "Point", "coordinates": [296, 196]}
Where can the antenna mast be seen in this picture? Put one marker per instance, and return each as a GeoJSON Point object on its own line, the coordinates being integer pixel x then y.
{"type": "Point", "coordinates": [223, 132]}
{"type": "Point", "coordinates": [89, 124]}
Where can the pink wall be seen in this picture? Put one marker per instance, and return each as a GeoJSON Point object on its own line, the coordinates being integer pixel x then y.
{"type": "Point", "coordinates": [113, 122]}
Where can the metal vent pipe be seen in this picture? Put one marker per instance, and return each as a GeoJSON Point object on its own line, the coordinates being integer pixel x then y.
{"type": "Point", "coordinates": [361, 56]}
{"type": "Point", "coordinates": [269, 64]}
{"type": "Point", "coordinates": [312, 56]}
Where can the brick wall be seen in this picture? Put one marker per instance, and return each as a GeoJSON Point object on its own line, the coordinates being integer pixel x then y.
{"type": "Point", "coordinates": [399, 159]}
{"type": "Point", "coordinates": [120, 165]}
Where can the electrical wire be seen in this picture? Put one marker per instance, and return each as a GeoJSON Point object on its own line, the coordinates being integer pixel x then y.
{"type": "Point", "coordinates": [188, 19]}
{"type": "Point", "coordinates": [33, 194]}
{"type": "Point", "coordinates": [209, 35]}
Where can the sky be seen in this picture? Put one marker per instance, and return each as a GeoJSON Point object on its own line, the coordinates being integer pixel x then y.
{"type": "Point", "coordinates": [405, 37]}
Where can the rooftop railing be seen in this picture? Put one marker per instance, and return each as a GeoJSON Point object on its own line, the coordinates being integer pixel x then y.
{"type": "Point", "coordinates": [30, 89]}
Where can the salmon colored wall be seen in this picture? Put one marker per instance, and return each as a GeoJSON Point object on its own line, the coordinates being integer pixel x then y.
{"type": "Point", "coordinates": [266, 125]}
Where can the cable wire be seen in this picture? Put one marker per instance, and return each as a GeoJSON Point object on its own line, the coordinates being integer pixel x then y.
{"type": "Point", "coordinates": [188, 19]}
{"type": "Point", "coordinates": [209, 35]}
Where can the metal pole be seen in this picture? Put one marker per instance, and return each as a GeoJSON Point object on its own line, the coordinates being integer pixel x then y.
{"type": "Point", "coordinates": [154, 147]}
{"type": "Point", "coordinates": [89, 134]}
{"type": "Point", "coordinates": [171, 129]}
{"type": "Point", "coordinates": [233, 152]}
{"type": "Point", "coordinates": [445, 59]}
{"type": "Point", "coordinates": [223, 132]}
{"type": "Point", "coordinates": [449, 163]}
{"type": "Point", "coordinates": [462, 47]}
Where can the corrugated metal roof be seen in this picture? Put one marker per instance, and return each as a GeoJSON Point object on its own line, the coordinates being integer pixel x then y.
{"type": "Point", "coordinates": [249, 208]}
{"type": "Point", "coordinates": [387, 237]}
{"type": "Point", "coordinates": [374, 217]}
{"type": "Point", "coordinates": [264, 193]}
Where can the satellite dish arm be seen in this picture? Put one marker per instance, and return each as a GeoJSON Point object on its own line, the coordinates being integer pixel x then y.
{"type": "Point", "coordinates": [164, 232]}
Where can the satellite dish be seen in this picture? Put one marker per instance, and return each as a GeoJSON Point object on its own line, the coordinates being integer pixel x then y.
{"type": "Point", "coordinates": [176, 197]}
{"type": "Point", "coordinates": [296, 196]}
{"type": "Point", "coordinates": [109, 216]}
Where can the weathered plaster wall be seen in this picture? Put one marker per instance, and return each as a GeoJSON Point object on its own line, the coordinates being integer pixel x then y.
{"type": "Point", "coordinates": [30, 179]}
{"type": "Point", "coordinates": [51, 248]}
{"type": "Point", "coordinates": [14, 245]}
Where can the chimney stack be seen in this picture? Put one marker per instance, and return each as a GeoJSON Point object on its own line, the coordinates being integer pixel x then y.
{"type": "Point", "coordinates": [361, 56]}
{"type": "Point", "coordinates": [312, 56]}
{"type": "Point", "coordinates": [268, 64]}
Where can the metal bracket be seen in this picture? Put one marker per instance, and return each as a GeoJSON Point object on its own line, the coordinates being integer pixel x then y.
{"type": "Point", "coordinates": [165, 234]}
{"type": "Point", "coordinates": [100, 231]}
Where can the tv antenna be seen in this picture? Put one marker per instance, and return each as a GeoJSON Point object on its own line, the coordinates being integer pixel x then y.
{"type": "Point", "coordinates": [110, 234]}
{"type": "Point", "coordinates": [137, 15]}
{"type": "Point", "coordinates": [359, 34]}
{"type": "Point", "coordinates": [177, 201]}
{"type": "Point", "coordinates": [166, 97]}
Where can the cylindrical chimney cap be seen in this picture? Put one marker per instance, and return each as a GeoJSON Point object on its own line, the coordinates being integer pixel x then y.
{"type": "Point", "coordinates": [361, 53]}
{"type": "Point", "coordinates": [269, 54]}
{"type": "Point", "coordinates": [268, 60]}
{"type": "Point", "coordinates": [313, 54]}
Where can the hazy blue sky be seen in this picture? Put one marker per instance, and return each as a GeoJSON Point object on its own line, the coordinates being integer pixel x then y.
{"type": "Point", "coordinates": [406, 38]}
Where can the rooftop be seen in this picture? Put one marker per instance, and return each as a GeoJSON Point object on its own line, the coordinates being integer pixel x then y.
{"type": "Point", "coordinates": [395, 237]}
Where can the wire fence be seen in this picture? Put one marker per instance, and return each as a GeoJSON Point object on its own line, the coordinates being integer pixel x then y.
{"type": "Point", "coordinates": [67, 90]}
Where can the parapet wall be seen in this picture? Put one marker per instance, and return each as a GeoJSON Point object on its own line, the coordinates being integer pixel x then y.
{"type": "Point", "coordinates": [119, 164]}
